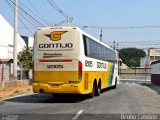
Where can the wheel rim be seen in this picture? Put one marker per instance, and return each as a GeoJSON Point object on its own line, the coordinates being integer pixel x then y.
{"type": "Point", "coordinates": [99, 89]}
{"type": "Point", "coordinates": [93, 90]}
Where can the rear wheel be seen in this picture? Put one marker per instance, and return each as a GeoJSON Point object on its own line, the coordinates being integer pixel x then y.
{"type": "Point", "coordinates": [92, 94]}
{"type": "Point", "coordinates": [98, 89]}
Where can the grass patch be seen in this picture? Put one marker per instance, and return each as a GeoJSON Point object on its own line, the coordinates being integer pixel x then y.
{"type": "Point", "coordinates": [28, 89]}
{"type": "Point", "coordinates": [16, 91]}
{"type": "Point", "coordinates": [11, 95]}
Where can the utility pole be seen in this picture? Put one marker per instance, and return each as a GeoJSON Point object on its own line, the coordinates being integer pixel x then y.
{"type": "Point", "coordinates": [117, 47]}
{"type": "Point", "coordinates": [114, 45]}
{"type": "Point", "coordinates": [15, 40]}
{"type": "Point", "coordinates": [67, 20]}
{"type": "Point", "coordinates": [101, 35]}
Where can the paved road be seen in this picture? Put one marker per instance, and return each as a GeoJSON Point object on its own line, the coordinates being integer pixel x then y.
{"type": "Point", "coordinates": [125, 99]}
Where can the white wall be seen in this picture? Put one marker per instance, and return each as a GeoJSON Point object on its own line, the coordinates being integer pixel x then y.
{"type": "Point", "coordinates": [30, 41]}
{"type": "Point", "coordinates": [6, 39]}
{"type": "Point", "coordinates": [155, 68]}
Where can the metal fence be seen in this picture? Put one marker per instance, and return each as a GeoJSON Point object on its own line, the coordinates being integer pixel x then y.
{"type": "Point", "coordinates": [22, 74]}
{"type": "Point", "coordinates": [14, 83]}
{"type": "Point", "coordinates": [6, 73]}
{"type": "Point", "coordinates": [135, 73]}
{"type": "Point", "coordinates": [8, 70]}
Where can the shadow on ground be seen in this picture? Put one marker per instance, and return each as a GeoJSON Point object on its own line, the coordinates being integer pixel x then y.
{"type": "Point", "coordinates": [48, 98]}
{"type": "Point", "coordinates": [154, 87]}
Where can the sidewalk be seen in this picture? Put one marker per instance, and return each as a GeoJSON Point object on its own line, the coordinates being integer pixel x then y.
{"type": "Point", "coordinates": [142, 82]}
{"type": "Point", "coordinates": [153, 87]}
{"type": "Point", "coordinates": [10, 92]}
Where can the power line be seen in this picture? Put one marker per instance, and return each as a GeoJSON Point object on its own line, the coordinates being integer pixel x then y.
{"type": "Point", "coordinates": [29, 16]}
{"type": "Point", "coordinates": [137, 42]}
{"type": "Point", "coordinates": [11, 7]}
{"type": "Point", "coordinates": [53, 5]}
{"type": "Point", "coordinates": [125, 27]}
{"type": "Point", "coordinates": [147, 43]}
{"type": "Point", "coordinates": [23, 15]}
{"type": "Point", "coordinates": [141, 44]}
{"type": "Point", "coordinates": [140, 41]}
{"type": "Point", "coordinates": [38, 14]}
{"type": "Point", "coordinates": [57, 8]}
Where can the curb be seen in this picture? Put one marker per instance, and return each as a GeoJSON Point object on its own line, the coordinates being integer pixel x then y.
{"type": "Point", "coordinates": [17, 95]}
{"type": "Point", "coordinates": [133, 80]}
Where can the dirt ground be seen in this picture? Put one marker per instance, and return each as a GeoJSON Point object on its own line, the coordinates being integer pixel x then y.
{"type": "Point", "coordinates": [9, 92]}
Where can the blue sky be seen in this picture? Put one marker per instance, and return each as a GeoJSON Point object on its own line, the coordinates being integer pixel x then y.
{"type": "Point", "coordinates": [100, 13]}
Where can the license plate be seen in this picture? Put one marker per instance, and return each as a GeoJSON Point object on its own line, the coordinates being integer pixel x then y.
{"type": "Point", "coordinates": [55, 86]}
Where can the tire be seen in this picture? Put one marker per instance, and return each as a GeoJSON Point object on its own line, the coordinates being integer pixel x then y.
{"type": "Point", "coordinates": [114, 87]}
{"type": "Point", "coordinates": [98, 89]}
{"type": "Point", "coordinates": [92, 94]}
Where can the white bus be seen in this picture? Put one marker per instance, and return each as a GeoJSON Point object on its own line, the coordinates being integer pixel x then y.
{"type": "Point", "coordinates": [66, 60]}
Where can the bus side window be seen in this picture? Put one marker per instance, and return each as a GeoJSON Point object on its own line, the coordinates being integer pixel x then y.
{"type": "Point", "coordinates": [99, 52]}
{"type": "Point", "coordinates": [86, 46]}
{"type": "Point", "coordinates": [93, 49]}
{"type": "Point", "coordinates": [103, 53]}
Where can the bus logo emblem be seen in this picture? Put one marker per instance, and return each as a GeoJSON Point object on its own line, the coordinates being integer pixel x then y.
{"type": "Point", "coordinates": [55, 35]}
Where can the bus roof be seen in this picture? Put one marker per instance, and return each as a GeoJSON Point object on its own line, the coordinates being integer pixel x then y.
{"type": "Point", "coordinates": [73, 27]}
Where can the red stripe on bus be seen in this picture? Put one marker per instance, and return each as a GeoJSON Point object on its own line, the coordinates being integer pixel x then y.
{"type": "Point", "coordinates": [55, 60]}
{"type": "Point", "coordinates": [43, 60]}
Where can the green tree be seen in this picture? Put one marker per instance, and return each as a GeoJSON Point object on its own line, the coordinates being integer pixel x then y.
{"type": "Point", "coordinates": [25, 58]}
{"type": "Point", "coordinates": [131, 56]}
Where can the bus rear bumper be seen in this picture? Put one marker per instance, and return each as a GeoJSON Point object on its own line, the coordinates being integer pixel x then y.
{"type": "Point", "coordinates": [61, 89]}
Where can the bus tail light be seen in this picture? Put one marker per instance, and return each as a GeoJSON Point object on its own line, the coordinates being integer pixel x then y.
{"type": "Point", "coordinates": [79, 71]}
